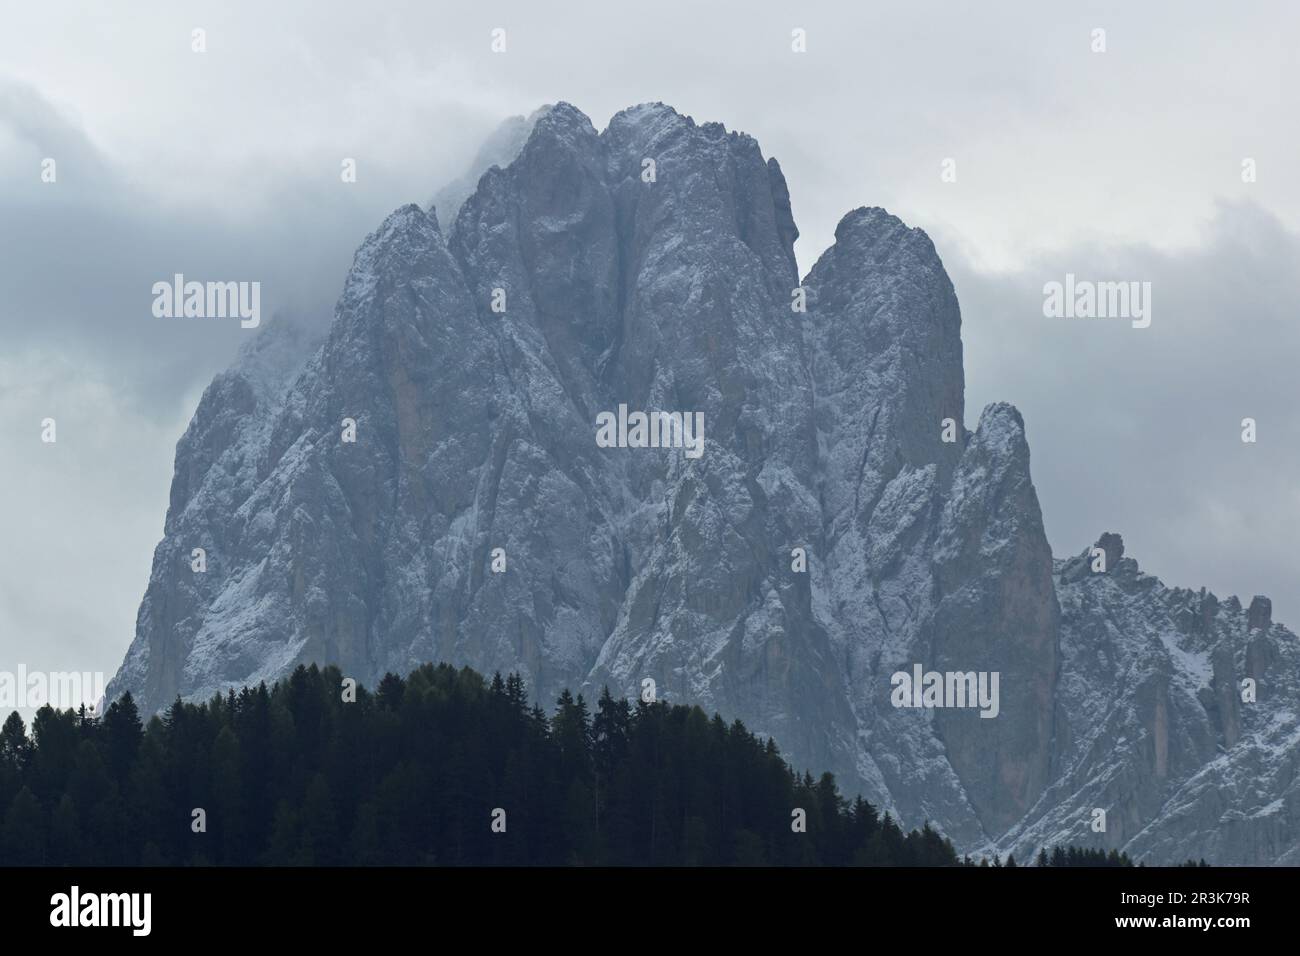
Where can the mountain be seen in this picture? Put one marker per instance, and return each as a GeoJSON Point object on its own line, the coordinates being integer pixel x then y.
{"type": "Point", "coordinates": [840, 525]}
{"type": "Point", "coordinates": [1151, 723]}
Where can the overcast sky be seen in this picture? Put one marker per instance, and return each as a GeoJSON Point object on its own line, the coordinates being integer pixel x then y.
{"type": "Point", "coordinates": [1125, 164]}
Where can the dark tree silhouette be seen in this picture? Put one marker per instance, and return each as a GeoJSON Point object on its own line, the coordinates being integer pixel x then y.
{"type": "Point", "coordinates": [416, 774]}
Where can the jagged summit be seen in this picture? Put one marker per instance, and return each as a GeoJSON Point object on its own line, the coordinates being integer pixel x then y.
{"type": "Point", "coordinates": [840, 525]}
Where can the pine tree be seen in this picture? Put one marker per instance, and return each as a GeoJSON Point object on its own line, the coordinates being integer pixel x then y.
{"type": "Point", "coordinates": [517, 695]}
{"type": "Point", "coordinates": [228, 804]}
{"type": "Point", "coordinates": [15, 748]}
{"type": "Point", "coordinates": [283, 849]}
{"type": "Point", "coordinates": [65, 837]}
{"type": "Point", "coordinates": [122, 735]}
{"type": "Point", "coordinates": [22, 838]}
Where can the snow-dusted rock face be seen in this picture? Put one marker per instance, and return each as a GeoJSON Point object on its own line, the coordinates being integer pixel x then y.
{"type": "Point", "coordinates": [1152, 727]}
{"type": "Point", "coordinates": [475, 362]}
{"type": "Point", "coordinates": [221, 460]}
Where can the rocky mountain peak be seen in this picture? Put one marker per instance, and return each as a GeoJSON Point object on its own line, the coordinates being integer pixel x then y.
{"type": "Point", "coordinates": [1260, 615]}
{"type": "Point", "coordinates": [432, 487]}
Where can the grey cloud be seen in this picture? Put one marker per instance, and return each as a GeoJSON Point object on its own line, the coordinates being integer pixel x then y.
{"type": "Point", "coordinates": [78, 258]}
{"type": "Point", "coordinates": [1139, 430]}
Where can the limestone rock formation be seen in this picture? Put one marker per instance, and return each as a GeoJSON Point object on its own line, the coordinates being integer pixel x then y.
{"type": "Point", "coordinates": [476, 519]}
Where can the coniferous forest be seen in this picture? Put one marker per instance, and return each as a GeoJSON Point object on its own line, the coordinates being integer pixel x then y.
{"type": "Point", "coordinates": [442, 768]}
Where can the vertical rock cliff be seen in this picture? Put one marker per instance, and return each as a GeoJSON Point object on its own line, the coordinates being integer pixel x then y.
{"type": "Point", "coordinates": [425, 484]}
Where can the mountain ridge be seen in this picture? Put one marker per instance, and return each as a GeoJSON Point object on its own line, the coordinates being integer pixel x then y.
{"type": "Point", "coordinates": [839, 431]}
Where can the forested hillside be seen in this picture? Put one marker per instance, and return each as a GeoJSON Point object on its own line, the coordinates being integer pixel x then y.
{"type": "Point", "coordinates": [442, 768]}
